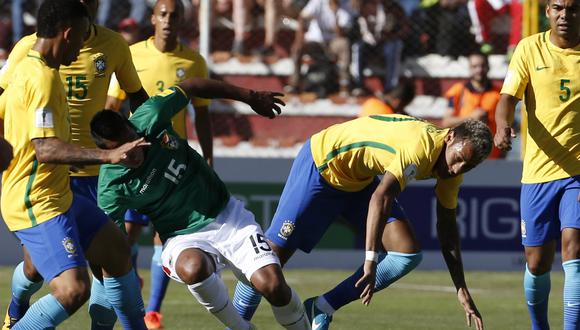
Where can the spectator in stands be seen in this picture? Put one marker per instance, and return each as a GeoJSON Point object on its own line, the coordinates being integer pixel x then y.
{"type": "Point", "coordinates": [382, 24]}
{"type": "Point", "coordinates": [273, 11]}
{"type": "Point", "coordinates": [322, 28]}
{"type": "Point", "coordinates": [482, 13]}
{"type": "Point", "coordinates": [395, 101]}
{"type": "Point", "coordinates": [129, 30]}
{"type": "Point", "coordinates": [138, 9]}
{"type": "Point", "coordinates": [474, 99]}
{"type": "Point", "coordinates": [447, 27]}
{"type": "Point", "coordinates": [18, 17]}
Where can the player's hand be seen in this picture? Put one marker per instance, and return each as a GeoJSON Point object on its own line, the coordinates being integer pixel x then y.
{"type": "Point", "coordinates": [367, 281]}
{"type": "Point", "coordinates": [266, 104]}
{"type": "Point", "coordinates": [125, 153]}
{"type": "Point", "coordinates": [471, 312]}
{"type": "Point", "coordinates": [503, 138]}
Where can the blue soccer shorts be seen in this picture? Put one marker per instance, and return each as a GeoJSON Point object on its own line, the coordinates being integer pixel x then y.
{"type": "Point", "coordinates": [135, 217]}
{"type": "Point", "coordinates": [547, 208]}
{"type": "Point", "coordinates": [309, 205]}
{"type": "Point", "coordinates": [58, 244]}
{"type": "Point", "coordinates": [85, 186]}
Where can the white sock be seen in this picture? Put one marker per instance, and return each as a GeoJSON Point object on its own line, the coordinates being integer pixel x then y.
{"type": "Point", "coordinates": [291, 316]}
{"type": "Point", "coordinates": [213, 295]}
{"type": "Point", "coordinates": [324, 306]}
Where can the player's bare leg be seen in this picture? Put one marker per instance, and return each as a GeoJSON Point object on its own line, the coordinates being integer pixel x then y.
{"type": "Point", "coordinates": [286, 305]}
{"type": "Point", "coordinates": [197, 269]}
{"type": "Point", "coordinates": [110, 250]}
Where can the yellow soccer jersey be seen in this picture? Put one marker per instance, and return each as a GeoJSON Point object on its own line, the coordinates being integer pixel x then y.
{"type": "Point", "coordinates": [36, 107]}
{"type": "Point", "coordinates": [86, 80]}
{"type": "Point", "coordinates": [159, 71]}
{"type": "Point", "coordinates": [349, 155]}
{"type": "Point", "coordinates": [547, 78]}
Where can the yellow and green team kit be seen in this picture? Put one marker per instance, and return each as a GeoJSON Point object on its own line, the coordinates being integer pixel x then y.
{"type": "Point", "coordinates": [158, 71]}
{"type": "Point", "coordinates": [174, 186]}
{"type": "Point", "coordinates": [86, 80]}
{"type": "Point", "coordinates": [85, 85]}
{"type": "Point", "coordinates": [34, 192]}
{"type": "Point", "coordinates": [547, 78]}
{"type": "Point", "coordinates": [350, 155]}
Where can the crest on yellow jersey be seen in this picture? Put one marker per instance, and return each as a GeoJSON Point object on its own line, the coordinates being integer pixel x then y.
{"type": "Point", "coordinates": [100, 61]}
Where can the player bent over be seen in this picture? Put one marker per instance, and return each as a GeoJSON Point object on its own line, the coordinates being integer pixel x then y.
{"type": "Point", "coordinates": [203, 228]}
{"type": "Point", "coordinates": [335, 174]}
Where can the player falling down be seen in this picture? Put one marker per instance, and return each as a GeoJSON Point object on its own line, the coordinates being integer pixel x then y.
{"type": "Point", "coordinates": [335, 174]}
{"type": "Point", "coordinates": [202, 226]}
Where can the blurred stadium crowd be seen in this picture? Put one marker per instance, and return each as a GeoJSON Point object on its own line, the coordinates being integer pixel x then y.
{"type": "Point", "coordinates": [342, 50]}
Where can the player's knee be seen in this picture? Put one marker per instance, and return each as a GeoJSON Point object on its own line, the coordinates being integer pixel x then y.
{"type": "Point", "coordinates": [73, 294]}
{"type": "Point", "coordinates": [537, 267]}
{"type": "Point", "coordinates": [194, 266]}
{"type": "Point", "coordinates": [31, 273]}
{"type": "Point", "coordinates": [270, 282]}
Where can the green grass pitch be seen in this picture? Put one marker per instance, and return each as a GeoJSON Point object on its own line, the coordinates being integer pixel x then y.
{"type": "Point", "coordinates": [421, 300]}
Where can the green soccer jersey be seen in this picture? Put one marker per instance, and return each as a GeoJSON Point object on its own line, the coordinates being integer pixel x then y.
{"type": "Point", "coordinates": [174, 186]}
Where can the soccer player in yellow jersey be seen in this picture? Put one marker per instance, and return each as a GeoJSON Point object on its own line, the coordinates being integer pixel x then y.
{"type": "Point", "coordinates": [86, 81]}
{"type": "Point", "coordinates": [60, 229]}
{"type": "Point", "coordinates": [162, 61]}
{"type": "Point", "coordinates": [336, 174]}
{"type": "Point", "coordinates": [545, 73]}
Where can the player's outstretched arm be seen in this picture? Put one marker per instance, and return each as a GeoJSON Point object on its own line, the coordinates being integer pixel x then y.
{"type": "Point", "coordinates": [55, 151]}
{"type": "Point", "coordinates": [266, 104]}
{"type": "Point", "coordinates": [504, 118]}
{"type": "Point", "coordinates": [448, 235]}
{"type": "Point", "coordinates": [379, 207]}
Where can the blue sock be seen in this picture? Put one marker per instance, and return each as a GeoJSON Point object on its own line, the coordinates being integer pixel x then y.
{"type": "Point", "coordinates": [246, 300]}
{"type": "Point", "coordinates": [391, 267]}
{"type": "Point", "coordinates": [134, 255]}
{"type": "Point", "coordinates": [537, 291]}
{"type": "Point", "coordinates": [125, 295]}
{"type": "Point", "coordinates": [102, 313]}
{"type": "Point", "coordinates": [571, 294]}
{"type": "Point", "coordinates": [46, 313]}
{"type": "Point", "coordinates": [159, 281]}
{"type": "Point", "coordinates": [22, 290]}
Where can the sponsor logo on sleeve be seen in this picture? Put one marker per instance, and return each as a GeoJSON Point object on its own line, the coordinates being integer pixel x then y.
{"type": "Point", "coordinates": [44, 118]}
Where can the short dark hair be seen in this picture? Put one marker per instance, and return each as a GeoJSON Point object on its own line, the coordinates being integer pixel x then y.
{"type": "Point", "coordinates": [480, 54]}
{"type": "Point", "coordinates": [108, 125]}
{"type": "Point", "coordinates": [478, 134]}
{"type": "Point", "coordinates": [54, 14]}
{"type": "Point", "coordinates": [404, 91]}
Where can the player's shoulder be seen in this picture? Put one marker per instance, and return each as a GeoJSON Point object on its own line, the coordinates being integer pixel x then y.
{"type": "Point", "coordinates": [535, 40]}
{"type": "Point", "coordinates": [454, 89]}
{"type": "Point", "coordinates": [104, 33]}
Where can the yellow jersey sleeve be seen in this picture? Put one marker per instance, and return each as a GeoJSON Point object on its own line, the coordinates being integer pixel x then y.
{"type": "Point", "coordinates": [517, 77]}
{"type": "Point", "coordinates": [42, 107]}
{"type": "Point", "coordinates": [125, 72]}
{"type": "Point", "coordinates": [447, 191]}
{"type": "Point", "coordinates": [115, 89]}
{"type": "Point", "coordinates": [407, 163]}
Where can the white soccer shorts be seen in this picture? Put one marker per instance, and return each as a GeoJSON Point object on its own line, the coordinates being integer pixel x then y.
{"type": "Point", "coordinates": [234, 239]}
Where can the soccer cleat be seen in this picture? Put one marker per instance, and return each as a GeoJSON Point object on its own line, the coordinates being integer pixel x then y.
{"type": "Point", "coordinates": [153, 320]}
{"type": "Point", "coordinates": [9, 322]}
{"type": "Point", "coordinates": [318, 319]}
